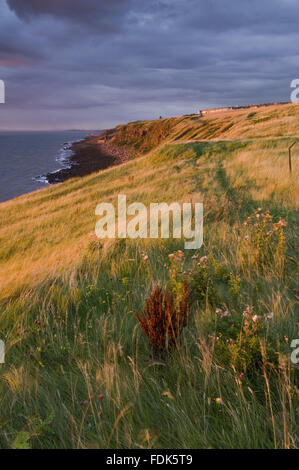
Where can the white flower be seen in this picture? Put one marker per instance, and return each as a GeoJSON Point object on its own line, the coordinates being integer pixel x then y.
{"type": "Point", "coordinates": [225, 313]}
{"type": "Point", "coordinates": [222, 312]}
{"type": "Point", "coordinates": [270, 315]}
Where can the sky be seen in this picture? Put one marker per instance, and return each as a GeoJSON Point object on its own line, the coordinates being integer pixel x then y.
{"type": "Point", "coordinates": [92, 64]}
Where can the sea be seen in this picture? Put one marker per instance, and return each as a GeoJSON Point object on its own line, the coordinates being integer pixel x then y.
{"type": "Point", "coordinates": [26, 157]}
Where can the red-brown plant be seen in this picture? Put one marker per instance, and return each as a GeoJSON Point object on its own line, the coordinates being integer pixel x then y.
{"type": "Point", "coordinates": [163, 320]}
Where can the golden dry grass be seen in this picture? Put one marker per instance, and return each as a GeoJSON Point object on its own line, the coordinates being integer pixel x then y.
{"type": "Point", "coordinates": [44, 232]}
{"type": "Point", "coordinates": [78, 371]}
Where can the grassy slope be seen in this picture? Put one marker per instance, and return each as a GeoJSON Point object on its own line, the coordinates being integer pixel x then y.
{"type": "Point", "coordinates": [54, 272]}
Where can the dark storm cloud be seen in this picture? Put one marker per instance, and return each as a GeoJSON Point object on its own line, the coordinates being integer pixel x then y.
{"type": "Point", "coordinates": [102, 13]}
{"type": "Point", "coordinates": [95, 63]}
{"type": "Point", "coordinates": [11, 56]}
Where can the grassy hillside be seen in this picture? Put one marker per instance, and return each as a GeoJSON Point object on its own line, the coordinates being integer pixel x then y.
{"type": "Point", "coordinates": [78, 369]}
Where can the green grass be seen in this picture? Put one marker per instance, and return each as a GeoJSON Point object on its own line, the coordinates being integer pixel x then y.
{"type": "Point", "coordinates": [78, 371]}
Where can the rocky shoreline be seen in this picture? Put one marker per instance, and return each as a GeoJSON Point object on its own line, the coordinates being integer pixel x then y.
{"type": "Point", "coordinates": [89, 155]}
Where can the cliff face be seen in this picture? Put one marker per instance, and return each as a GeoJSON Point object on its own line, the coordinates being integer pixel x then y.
{"type": "Point", "coordinates": [129, 141]}
{"type": "Point", "coordinates": [141, 136]}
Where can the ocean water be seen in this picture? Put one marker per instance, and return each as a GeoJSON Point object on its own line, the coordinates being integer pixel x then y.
{"type": "Point", "coordinates": [26, 157]}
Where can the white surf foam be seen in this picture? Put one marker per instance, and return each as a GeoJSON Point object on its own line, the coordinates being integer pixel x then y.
{"type": "Point", "coordinates": [63, 158]}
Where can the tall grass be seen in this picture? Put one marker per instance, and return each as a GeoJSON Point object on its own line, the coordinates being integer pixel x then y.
{"type": "Point", "coordinates": [79, 371]}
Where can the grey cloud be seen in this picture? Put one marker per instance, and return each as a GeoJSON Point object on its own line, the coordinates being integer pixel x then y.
{"type": "Point", "coordinates": [106, 14]}
{"type": "Point", "coordinates": [96, 63]}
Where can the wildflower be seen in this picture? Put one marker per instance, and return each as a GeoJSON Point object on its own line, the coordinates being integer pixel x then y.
{"type": "Point", "coordinates": [255, 318]}
{"type": "Point", "coordinates": [179, 253]}
{"type": "Point", "coordinates": [286, 339]}
{"type": "Point", "coordinates": [242, 375]}
{"type": "Point", "coordinates": [270, 316]}
{"type": "Point", "coordinates": [219, 401]}
{"type": "Point", "coordinates": [222, 312]}
{"type": "Point", "coordinates": [247, 313]}
{"type": "Point", "coordinates": [194, 256]}
{"type": "Point", "coordinates": [145, 258]}
{"type": "Point", "coordinates": [246, 238]}
{"type": "Point", "coordinates": [171, 256]}
{"type": "Point", "coordinates": [100, 396]}
{"type": "Point", "coordinates": [282, 223]}
{"type": "Point", "coordinates": [203, 259]}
